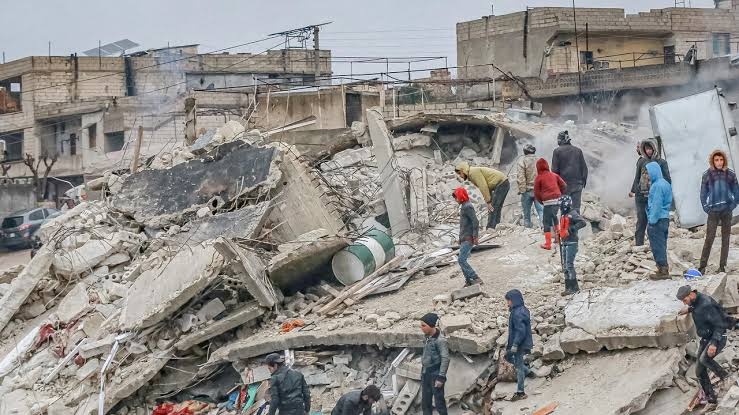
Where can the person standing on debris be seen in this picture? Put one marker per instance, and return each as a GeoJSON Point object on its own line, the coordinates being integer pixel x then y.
{"type": "Point", "coordinates": [288, 391]}
{"type": "Point", "coordinates": [648, 152]}
{"type": "Point", "coordinates": [434, 362]}
{"type": "Point", "coordinates": [711, 323]}
{"type": "Point", "coordinates": [659, 203]}
{"type": "Point", "coordinates": [569, 163]}
{"type": "Point", "coordinates": [719, 197]}
{"type": "Point", "coordinates": [468, 235]}
{"type": "Point", "coordinates": [570, 223]}
{"type": "Point", "coordinates": [358, 402]}
{"type": "Point", "coordinates": [520, 341]}
{"type": "Point", "coordinates": [493, 185]}
{"type": "Point", "coordinates": [548, 187]}
{"type": "Point", "coordinates": [525, 176]}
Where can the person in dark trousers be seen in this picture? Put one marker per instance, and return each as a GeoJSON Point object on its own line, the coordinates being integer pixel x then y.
{"type": "Point", "coordinates": [658, 218]}
{"type": "Point", "coordinates": [358, 402]}
{"type": "Point", "coordinates": [569, 163]}
{"type": "Point", "coordinates": [288, 391]}
{"type": "Point", "coordinates": [468, 235]}
{"type": "Point", "coordinates": [548, 187]}
{"type": "Point", "coordinates": [711, 323]}
{"type": "Point", "coordinates": [520, 341]}
{"type": "Point", "coordinates": [493, 185]}
{"type": "Point", "coordinates": [719, 197]}
{"type": "Point", "coordinates": [648, 152]}
{"type": "Point", "coordinates": [525, 177]}
{"type": "Point", "coordinates": [570, 223]}
{"type": "Point", "coordinates": [434, 362]}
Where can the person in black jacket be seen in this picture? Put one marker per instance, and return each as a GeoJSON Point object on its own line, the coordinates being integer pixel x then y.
{"type": "Point", "coordinates": [648, 152]}
{"type": "Point", "coordinates": [569, 163]}
{"type": "Point", "coordinates": [358, 402]}
{"type": "Point", "coordinates": [711, 323]}
{"type": "Point", "coordinates": [288, 391]}
{"type": "Point", "coordinates": [569, 224]}
{"type": "Point", "coordinates": [520, 341]}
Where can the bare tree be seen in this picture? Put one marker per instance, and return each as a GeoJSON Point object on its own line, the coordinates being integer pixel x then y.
{"type": "Point", "coordinates": [5, 167]}
{"type": "Point", "coordinates": [39, 182]}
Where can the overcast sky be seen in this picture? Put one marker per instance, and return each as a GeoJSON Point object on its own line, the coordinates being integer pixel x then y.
{"type": "Point", "coordinates": [360, 28]}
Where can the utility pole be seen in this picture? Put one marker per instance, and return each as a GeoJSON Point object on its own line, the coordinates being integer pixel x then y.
{"type": "Point", "coordinates": [317, 52]}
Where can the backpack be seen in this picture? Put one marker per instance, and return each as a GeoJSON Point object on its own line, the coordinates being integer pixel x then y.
{"type": "Point", "coordinates": [644, 181]}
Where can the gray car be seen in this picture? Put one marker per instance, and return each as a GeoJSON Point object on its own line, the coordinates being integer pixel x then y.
{"type": "Point", "coordinates": [17, 229]}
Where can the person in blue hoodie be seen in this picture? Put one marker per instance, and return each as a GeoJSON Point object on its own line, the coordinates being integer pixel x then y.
{"type": "Point", "coordinates": [520, 341]}
{"type": "Point", "coordinates": [658, 218]}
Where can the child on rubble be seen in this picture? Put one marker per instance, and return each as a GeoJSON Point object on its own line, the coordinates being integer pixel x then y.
{"type": "Point", "coordinates": [548, 188]}
{"type": "Point", "coordinates": [468, 235]}
{"type": "Point", "coordinates": [569, 224]}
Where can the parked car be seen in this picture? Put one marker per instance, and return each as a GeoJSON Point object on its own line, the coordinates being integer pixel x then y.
{"type": "Point", "coordinates": [17, 229]}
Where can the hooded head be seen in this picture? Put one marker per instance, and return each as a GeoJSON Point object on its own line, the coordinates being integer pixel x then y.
{"type": "Point", "coordinates": [529, 149]}
{"type": "Point", "coordinates": [463, 168]}
{"type": "Point", "coordinates": [542, 166]}
{"type": "Point", "coordinates": [565, 204]}
{"type": "Point", "coordinates": [460, 195]}
{"type": "Point", "coordinates": [515, 298]}
{"type": "Point", "coordinates": [563, 137]}
{"type": "Point", "coordinates": [654, 170]}
{"type": "Point", "coordinates": [648, 147]}
{"type": "Point", "coordinates": [711, 161]}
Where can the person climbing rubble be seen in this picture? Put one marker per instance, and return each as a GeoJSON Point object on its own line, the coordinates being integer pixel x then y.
{"type": "Point", "coordinates": [648, 152]}
{"type": "Point", "coordinates": [548, 187]}
{"type": "Point", "coordinates": [493, 185]}
{"type": "Point", "coordinates": [658, 217]}
{"type": "Point", "coordinates": [525, 176]}
{"type": "Point", "coordinates": [570, 223]}
{"type": "Point", "coordinates": [520, 341]}
{"type": "Point", "coordinates": [468, 235]}
{"type": "Point", "coordinates": [358, 402]}
{"type": "Point", "coordinates": [719, 197]}
{"type": "Point", "coordinates": [434, 365]}
{"type": "Point", "coordinates": [288, 391]}
{"type": "Point", "coordinates": [711, 323]}
{"type": "Point", "coordinates": [569, 163]}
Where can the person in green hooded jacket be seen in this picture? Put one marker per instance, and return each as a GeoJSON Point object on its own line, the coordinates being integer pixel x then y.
{"type": "Point", "coordinates": [493, 185]}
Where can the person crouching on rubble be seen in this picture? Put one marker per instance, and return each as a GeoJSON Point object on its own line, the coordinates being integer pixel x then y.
{"type": "Point", "coordinates": [569, 224]}
{"type": "Point", "coordinates": [358, 402]}
{"type": "Point", "coordinates": [548, 188]}
{"type": "Point", "coordinates": [658, 218]}
{"type": "Point", "coordinates": [711, 323]}
{"type": "Point", "coordinates": [434, 365]}
{"type": "Point", "coordinates": [520, 341]}
{"type": "Point", "coordinates": [493, 185]}
{"type": "Point", "coordinates": [288, 391]}
{"type": "Point", "coordinates": [468, 235]}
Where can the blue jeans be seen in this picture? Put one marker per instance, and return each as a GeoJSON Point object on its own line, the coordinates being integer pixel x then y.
{"type": "Point", "coordinates": [521, 369]}
{"type": "Point", "coordinates": [657, 233]}
{"type": "Point", "coordinates": [527, 199]}
{"type": "Point", "coordinates": [465, 249]}
{"type": "Point", "coordinates": [569, 250]}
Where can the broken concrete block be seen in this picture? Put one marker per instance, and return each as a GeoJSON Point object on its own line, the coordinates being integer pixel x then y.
{"type": "Point", "coordinates": [90, 349]}
{"type": "Point", "coordinates": [618, 223]}
{"type": "Point", "coordinates": [552, 349]}
{"type": "Point", "coordinates": [74, 303]}
{"type": "Point", "coordinates": [574, 339]}
{"type": "Point", "coordinates": [410, 370]}
{"type": "Point", "coordinates": [24, 284]}
{"type": "Point", "coordinates": [347, 158]}
{"type": "Point", "coordinates": [405, 399]}
{"type": "Point", "coordinates": [92, 324]}
{"type": "Point", "coordinates": [318, 379]}
{"type": "Point", "coordinates": [211, 310]}
{"type": "Point", "coordinates": [251, 270]}
{"type": "Point", "coordinates": [114, 290]}
{"type": "Point", "coordinates": [245, 222]}
{"type": "Point", "coordinates": [451, 324]}
{"type": "Point", "coordinates": [83, 258]}
{"type": "Point", "coordinates": [466, 292]}
{"type": "Point", "coordinates": [342, 359]}
{"type": "Point", "coordinates": [249, 312]}
{"type": "Point", "coordinates": [90, 367]}
{"type": "Point", "coordinates": [115, 259]}
{"type": "Point", "coordinates": [305, 258]}
{"type": "Point", "coordinates": [160, 291]}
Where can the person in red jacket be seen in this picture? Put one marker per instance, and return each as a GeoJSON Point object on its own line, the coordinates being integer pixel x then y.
{"type": "Point", "coordinates": [548, 187]}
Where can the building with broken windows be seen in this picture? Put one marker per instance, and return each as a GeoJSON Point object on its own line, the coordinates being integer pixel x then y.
{"type": "Point", "coordinates": [87, 110]}
{"type": "Point", "coordinates": [604, 55]}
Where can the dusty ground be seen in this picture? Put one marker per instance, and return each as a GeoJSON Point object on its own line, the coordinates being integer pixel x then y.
{"type": "Point", "coordinates": [12, 258]}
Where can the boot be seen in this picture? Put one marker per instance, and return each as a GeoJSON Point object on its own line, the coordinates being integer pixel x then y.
{"type": "Point", "coordinates": [547, 241]}
{"type": "Point", "coordinates": [663, 273]}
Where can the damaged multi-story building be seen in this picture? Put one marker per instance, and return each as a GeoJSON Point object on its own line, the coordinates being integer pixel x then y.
{"type": "Point", "coordinates": [603, 56]}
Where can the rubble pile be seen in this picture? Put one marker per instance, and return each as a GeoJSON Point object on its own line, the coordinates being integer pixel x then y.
{"type": "Point", "coordinates": [165, 295]}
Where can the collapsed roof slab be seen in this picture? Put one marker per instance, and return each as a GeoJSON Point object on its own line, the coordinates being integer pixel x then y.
{"type": "Point", "coordinates": [289, 269]}
{"type": "Point", "coordinates": [244, 223]}
{"type": "Point", "coordinates": [228, 171]}
{"type": "Point", "coordinates": [483, 119]}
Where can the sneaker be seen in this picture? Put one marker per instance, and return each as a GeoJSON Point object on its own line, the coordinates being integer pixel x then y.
{"type": "Point", "coordinates": [518, 396]}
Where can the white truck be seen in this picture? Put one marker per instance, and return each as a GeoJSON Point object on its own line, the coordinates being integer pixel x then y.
{"type": "Point", "coordinates": [688, 130]}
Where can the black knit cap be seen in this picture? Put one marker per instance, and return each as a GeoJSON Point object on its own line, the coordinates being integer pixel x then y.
{"type": "Point", "coordinates": [430, 319]}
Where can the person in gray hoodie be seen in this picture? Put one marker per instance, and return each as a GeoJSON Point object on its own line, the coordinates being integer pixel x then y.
{"type": "Point", "coordinates": [468, 235]}
{"type": "Point", "coordinates": [434, 365]}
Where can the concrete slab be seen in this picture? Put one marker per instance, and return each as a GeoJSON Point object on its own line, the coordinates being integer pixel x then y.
{"type": "Point", "coordinates": [22, 286]}
{"type": "Point", "coordinates": [667, 401]}
{"type": "Point", "coordinates": [641, 315]}
{"type": "Point", "coordinates": [74, 303]}
{"type": "Point", "coordinates": [251, 271]}
{"type": "Point", "coordinates": [84, 258]}
{"type": "Point", "coordinates": [244, 315]}
{"type": "Point", "coordinates": [160, 291]}
{"type": "Point", "coordinates": [451, 324]}
{"type": "Point", "coordinates": [288, 269]}
{"type": "Point", "coordinates": [617, 383]}
{"type": "Point", "coordinates": [467, 292]}
{"type": "Point", "coordinates": [246, 222]}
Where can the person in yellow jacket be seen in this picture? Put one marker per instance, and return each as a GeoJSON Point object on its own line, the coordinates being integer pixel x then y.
{"type": "Point", "coordinates": [493, 184]}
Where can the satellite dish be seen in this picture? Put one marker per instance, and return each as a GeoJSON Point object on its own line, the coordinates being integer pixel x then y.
{"type": "Point", "coordinates": [111, 49]}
